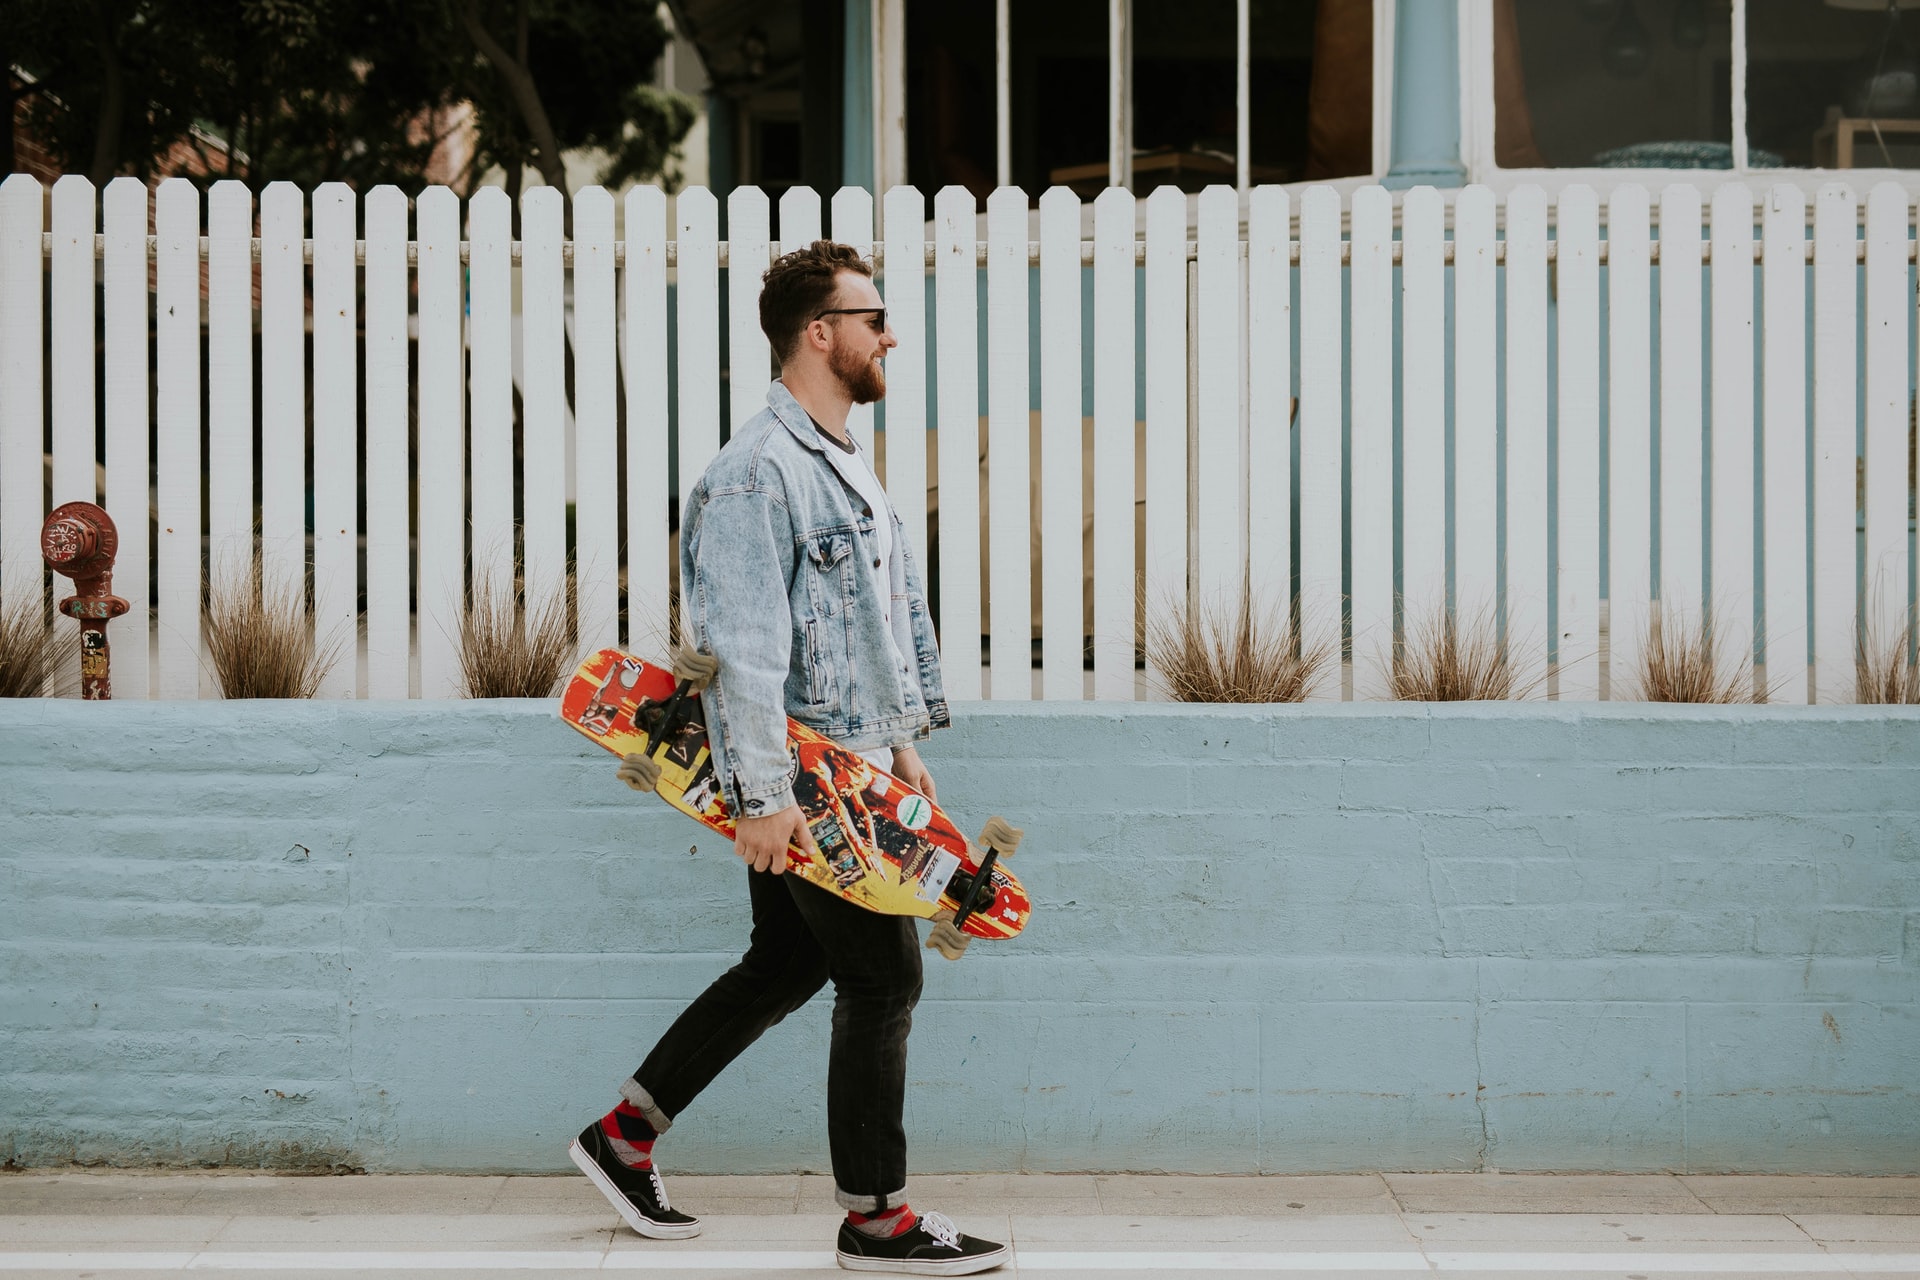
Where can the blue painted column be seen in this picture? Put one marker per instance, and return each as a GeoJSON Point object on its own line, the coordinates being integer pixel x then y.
{"type": "Point", "coordinates": [856, 97]}
{"type": "Point", "coordinates": [1426, 96]}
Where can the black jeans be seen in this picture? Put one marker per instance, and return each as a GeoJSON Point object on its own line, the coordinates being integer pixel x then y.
{"type": "Point", "coordinates": [802, 936]}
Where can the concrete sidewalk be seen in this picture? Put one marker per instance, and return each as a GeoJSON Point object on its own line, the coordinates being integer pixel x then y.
{"type": "Point", "coordinates": [1356, 1227]}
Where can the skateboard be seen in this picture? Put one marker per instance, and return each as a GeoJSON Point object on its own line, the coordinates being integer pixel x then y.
{"type": "Point", "coordinates": [880, 844]}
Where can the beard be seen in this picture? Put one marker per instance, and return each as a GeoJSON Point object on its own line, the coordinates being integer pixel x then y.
{"type": "Point", "coordinates": [863, 379]}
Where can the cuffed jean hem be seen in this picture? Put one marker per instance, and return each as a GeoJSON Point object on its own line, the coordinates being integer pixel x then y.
{"type": "Point", "coordinates": [867, 1204]}
{"type": "Point", "coordinates": [630, 1090]}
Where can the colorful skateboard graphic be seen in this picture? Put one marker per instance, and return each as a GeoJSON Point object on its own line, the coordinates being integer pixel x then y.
{"type": "Point", "coordinates": [882, 845]}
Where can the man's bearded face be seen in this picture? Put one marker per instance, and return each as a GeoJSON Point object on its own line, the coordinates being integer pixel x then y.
{"type": "Point", "coordinates": [856, 360]}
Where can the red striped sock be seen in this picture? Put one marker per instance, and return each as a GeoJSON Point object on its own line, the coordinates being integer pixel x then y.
{"type": "Point", "coordinates": [629, 1136]}
{"type": "Point", "coordinates": [884, 1225]}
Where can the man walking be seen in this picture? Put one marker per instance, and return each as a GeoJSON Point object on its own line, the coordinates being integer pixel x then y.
{"type": "Point", "coordinates": [797, 578]}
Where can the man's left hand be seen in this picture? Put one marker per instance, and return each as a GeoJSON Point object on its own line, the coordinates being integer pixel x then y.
{"type": "Point", "coordinates": [908, 767]}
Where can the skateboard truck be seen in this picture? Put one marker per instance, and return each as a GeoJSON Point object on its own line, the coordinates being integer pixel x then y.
{"type": "Point", "coordinates": [641, 769]}
{"type": "Point", "coordinates": [1000, 838]}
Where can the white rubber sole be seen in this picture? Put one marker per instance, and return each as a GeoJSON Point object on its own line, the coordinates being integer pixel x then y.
{"type": "Point", "coordinates": [624, 1207]}
{"type": "Point", "coordinates": [957, 1267]}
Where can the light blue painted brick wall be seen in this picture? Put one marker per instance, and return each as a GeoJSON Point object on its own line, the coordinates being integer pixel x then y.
{"type": "Point", "coordinates": [409, 936]}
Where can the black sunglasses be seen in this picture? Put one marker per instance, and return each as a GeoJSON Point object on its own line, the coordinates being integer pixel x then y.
{"type": "Point", "coordinates": [878, 324]}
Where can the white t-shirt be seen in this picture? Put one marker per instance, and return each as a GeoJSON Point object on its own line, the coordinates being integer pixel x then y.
{"type": "Point", "coordinates": [852, 465]}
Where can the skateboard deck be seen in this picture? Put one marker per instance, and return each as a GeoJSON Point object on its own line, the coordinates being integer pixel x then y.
{"type": "Point", "coordinates": [881, 844]}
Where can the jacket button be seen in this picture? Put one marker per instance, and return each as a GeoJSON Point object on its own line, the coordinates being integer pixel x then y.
{"type": "Point", "coordinates": [867, 512]}
{"type": "Point", "coordinates": [876, 562]}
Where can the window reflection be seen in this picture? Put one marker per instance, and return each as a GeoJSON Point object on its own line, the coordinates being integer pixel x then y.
{"type": "Point", "coordinates": [1614, 83]}
{"type": "Point", "coordinates": [1835, 84]}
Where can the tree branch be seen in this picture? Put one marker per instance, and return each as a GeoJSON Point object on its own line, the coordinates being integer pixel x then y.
{"type": "Point", "coordinates": [526, 95]}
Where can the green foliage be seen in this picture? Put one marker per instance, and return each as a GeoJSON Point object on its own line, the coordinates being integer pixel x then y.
{"type": "Point", "coordinates": [322, 90]}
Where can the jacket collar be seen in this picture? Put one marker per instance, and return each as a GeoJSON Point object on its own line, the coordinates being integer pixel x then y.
{"type": "Point", "coordinates": [794, 418]}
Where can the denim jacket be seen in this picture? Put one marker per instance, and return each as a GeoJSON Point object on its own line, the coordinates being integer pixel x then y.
{"type": "Point", "coordinates": [776, 572]}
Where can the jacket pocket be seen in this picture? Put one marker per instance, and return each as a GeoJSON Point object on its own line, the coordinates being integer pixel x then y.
{"type": "Point", "coordinates": [828, 559]}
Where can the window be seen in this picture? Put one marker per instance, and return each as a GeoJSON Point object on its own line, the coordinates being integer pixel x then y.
{"type": "Point", "coordinates": [1178, 70]}
{"type": "Point", "coordinates": [1695, 84]}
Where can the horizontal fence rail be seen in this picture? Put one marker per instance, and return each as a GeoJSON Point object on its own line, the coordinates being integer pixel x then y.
{"type": "Point", "coordinates": [1569, 429]}
{"type": "Point", "coordinates": [929, 251]}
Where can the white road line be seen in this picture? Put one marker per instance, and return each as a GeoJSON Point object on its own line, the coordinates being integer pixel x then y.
{"type": "Point", "coordinates": [1436, 1263]}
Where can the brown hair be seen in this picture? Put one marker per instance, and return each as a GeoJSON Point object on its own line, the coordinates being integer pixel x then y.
{"type": "Point", "coordinates": [799, 286]}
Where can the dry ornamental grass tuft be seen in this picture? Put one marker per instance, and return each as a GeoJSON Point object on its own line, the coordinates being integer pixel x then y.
{"type": "Point", "coordinates": [1450, 659]}
{"type": "Point", "coordinates": [1232, 653]}
{"type": "Point", "coordinates": [1683, 662]}
{"type": "Point", "coordinates": [33, 655]}
{"type": "Point", "coordinates": [260, 641]}
{"type": "Point", "coordinates": [511, 650]}
{"type": "Point", "coordinates": [1885, 672]}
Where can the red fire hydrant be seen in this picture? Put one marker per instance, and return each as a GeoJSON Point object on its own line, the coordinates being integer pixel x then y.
{"type": "Point", "coordinates": [79, 540]}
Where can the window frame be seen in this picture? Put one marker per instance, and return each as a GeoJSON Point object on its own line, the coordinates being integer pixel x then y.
{"type": "Point", "coordinates": [1120, 86]}
{"type": "Point", "coordinates": [1477, 132]}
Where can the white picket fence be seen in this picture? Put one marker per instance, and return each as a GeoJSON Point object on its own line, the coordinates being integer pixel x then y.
{"type": "Point", "coordinates": [1410, 332]}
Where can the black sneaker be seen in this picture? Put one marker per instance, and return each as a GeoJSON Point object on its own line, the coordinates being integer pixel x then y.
{"type": "Point", "coordinates": [934, 1247]}
{"type": "Point", "coordinates": [638, 1194]}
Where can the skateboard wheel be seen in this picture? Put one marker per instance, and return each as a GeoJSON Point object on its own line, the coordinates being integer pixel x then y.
{"type": "Point", "coordinates": [639, 771]}
{"type": "Point", "coordinates": [946, 939]}
{"type": "Point", "coordinates": [694, 667]}
{"type": "Point", "coordinates": [1001, 835]}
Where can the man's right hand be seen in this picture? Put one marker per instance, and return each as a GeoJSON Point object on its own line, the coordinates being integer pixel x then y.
{"type": "Point", "coordinates": [762, 842]}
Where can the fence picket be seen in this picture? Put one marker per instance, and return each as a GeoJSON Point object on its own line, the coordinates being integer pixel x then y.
{"type": "Point", "coordinates": [125, 382]}
{"type": "Point", "coordinates": [1166, 424]}
{"type": "Point", "coordinates": [22, 388]}
{"type": "Point", "coordinates": [1219, 524]}
{"type": "Point", "coordinates": [799, 218]}
{"type": "Point", "coordinates": [1476, 407]}
{"type": "Point", "coordinates": [1577, 573]}
{"type": "Point", "coordinates": [1731, 506]}
{"type": "Point", "coordinates": [852, 211]}
{"type": "Point", "coordinates": [1834, 390]}
{"type": "Point", "coordinates": [1371, 388]}
{"type": "Point", "coordinates": [1115, 618]}
{"type": "Point", "coordinates": [1423, 397]}
{"type": "Point", "coordinates": [442, 452]}
{"type": "Point", "coordinates": [543, 406]}
{"type": "Point", "coordinates": [596, 475]}
{"type": "Point", "coordinates": [283, 395]}
{"type": "Point", "coordinates": [1888, 464]}
{"type": "Point", "coordinates": [1682, 498]}
{"type": "Point", "coordinates": [1528, 591]}
{"type": "Point", "coordinates": [1783, 339]}
{"type": "Point", "coordinates": [389, 562]}
{"type": "Point", "coordinates": [1009, 437]}
{"type": "Point", "coordinates": [904, 286]}
{"type": "Point", "coordinates": [490, 397]}
{"type": "Point", "coordinates": [230, 385]}
{"type": "Point", "coordinates": [71, 363]}
{"type": "Point", "coordinates": [956, 299]}
{"type": "Point", "coordinates": [1062, 625]}
{"type": "Point", "coordinates": [177, 421]}
{"type": "Point", "coordinates": [749, 252]}
{"type": "Point", "coordinates": [336, 454]}
{"type": "Point", "coordinates": [71, 331]}
{"type": "Point", "coordinates": [699, 325]}
{"type": "Point", "coordinates": [1630, 323]}
{"type": "Point", "coordinates": [650, 548]}
{"type": "Point", "coordinates": [1322, 388]}
{"type": "Point", "coordinates": [1268, 482]}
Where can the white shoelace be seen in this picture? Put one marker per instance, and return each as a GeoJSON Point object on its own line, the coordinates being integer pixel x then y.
{"type": "Point", "coordinates": [659, 1188]}
{"type": "Point", "coordinates": [941, 1228]}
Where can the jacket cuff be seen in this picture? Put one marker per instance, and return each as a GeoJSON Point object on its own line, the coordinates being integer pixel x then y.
{"type": "Point", "coordinates": [759, 802]}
